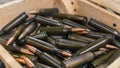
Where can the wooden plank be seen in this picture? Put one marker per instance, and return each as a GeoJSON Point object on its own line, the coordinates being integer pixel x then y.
{"type": "Point", "coordinates": [8, 60]}
{"type": "Point", "coordinates": [60, 5]}
{"type": "Point", "coordinates": [112, 4]}
{"type": "Point", "coordinates": [11, 11]}
{"type": "Point", "coordinates": [115, 64]}
{"type": "Point", "coordinates": [8, 12]}
{"type": "Point", "coordinates": [71, 6]}
{"type": "Point", "coordinates": [91, 10]}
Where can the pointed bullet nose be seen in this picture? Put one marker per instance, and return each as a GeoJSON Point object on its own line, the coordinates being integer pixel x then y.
{"type": "Point", "coordinates": [31, 48]}
{"type": "Point", "coordinates": [29, 63]}
{"type": "Point", "coordinates": [111, 46]}
{"type": "Point", "coordinates": [10, 41]}
{"type": "Point", "coordinates": [66, 54]}
{"type": "Point", "coordinates": [25, 51]}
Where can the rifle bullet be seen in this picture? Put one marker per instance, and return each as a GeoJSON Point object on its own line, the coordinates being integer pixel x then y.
{"type": "Point", "coordinates": [45, 46]}
{"type": "Point", "coordinates": [103, 58]}
{"type": "Point", "coordinates": [42, 35]}
{"type": "Point", "coordinates": [29, 29]}
{"type": "Point", "coordinates": [92, 46]}
{"type": "Point", "coordinates": [45, 11]}
{"type": "Point", "coordinates": [44, 56]}
{"type": "Point", "coordinates": [29, 63]}
{"type": "Point", "coordinates": [20, 60]}
{"type": "Point", "coordinates": [60, 31]}
{"type": "Point", "coordinates": [74, 24]}
{"type": "Point", "coordinates": [80, 38]}
{"type": "Point", "coordinates": [14, 23]}
{"type": "Point", "coordinates": [111, 46]}
{"type": "Point", "coordinates": [18, 31]}
{"type": "Point", "coordinates": [81, 59]}
{"type": "Point", "coordinates": [14, 47]}
{"type": "Point", "coordinates": [104, 28]}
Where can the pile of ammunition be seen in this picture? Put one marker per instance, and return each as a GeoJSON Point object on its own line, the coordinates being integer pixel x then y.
{"type": "Point", "coordinates": [50, 39]}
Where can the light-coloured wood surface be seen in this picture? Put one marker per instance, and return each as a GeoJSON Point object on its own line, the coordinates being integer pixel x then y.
{"type": "Point", "coordinates": [9, 12]}
{"type": "Point", "coordinates": [8, 60]}
{"type": "Point", "coordinates": [91, 10]}
{"type": "Point", "coordinates": [115, 64]}
{"type": "Point", "coordinates": [112, 4]}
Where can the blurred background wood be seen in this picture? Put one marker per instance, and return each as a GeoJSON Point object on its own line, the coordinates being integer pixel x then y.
{"type": "Point", "coordinates": [112, 4]}
{"type": "Point", "coordinates": [5, 1]}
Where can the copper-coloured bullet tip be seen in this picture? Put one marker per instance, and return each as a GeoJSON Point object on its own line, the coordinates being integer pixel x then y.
{"type": "Point", "coordinates": [83, 32]}
{"type": "Point", "coordinates": [103, 49]}
{"type": "Point", "coordinates": [31, 48]}
{"type": "Point", "coordinates": [111, 46]}
{"type": "Point", "coordinates": [34, 12]}
{"type": "Point", "coordinates": [66, 54]}
{"type": "Point", "coordinates": [29, 63]}
{"type": "Point", "coordinates": [25, 51]}
{"type": "Point", "coordinates": [77, 29]}
{"type": "Point", "coordinates": [10, 41]}
{"type": "Point", "coordinates": [20, 60]}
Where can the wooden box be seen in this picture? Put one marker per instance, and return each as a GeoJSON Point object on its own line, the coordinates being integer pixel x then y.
{"type": "Point", "coordinates": [81, 7]}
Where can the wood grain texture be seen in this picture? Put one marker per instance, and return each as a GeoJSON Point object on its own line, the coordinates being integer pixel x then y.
{"type": "Point", "coordinates": [8, 60]}
{"type": "Point", "coordinates": [8, 13]}
{"type": "Point", "coordinates": [11, 11]}
{"type": "Point", "coordinates": [112, 4]}
{"type": "Point", "coordinates": [115, 64]}
{"type": "Point", "coordinates": [91, 10]}
{"type": "Point", "coordinates": [71, 6]}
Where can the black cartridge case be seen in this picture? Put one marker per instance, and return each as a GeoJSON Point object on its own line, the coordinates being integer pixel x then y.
{"type": "Point", "coordinates": [48, 59]}
{"type": "Point", "coordinates": [104, 28]}
{"type": "Point", "coordinates": [97, 35]}
{"type": "Point", "coordinates": [12, 47]}
{"type": "Point", "coordinates": [44, 46]}
{"type": "Point", "coordinates": [113, 57]}
{"type": "Point", "coordinates": [103, 58]}
{"type": "Point", "coordinates": [37, 29]}
{"type": "Point", "coordinates": [116, 42]}
{"type": "Point", "coordinates": [66, 44]}
{"type": "Point", "coordinates": [74, 24]}
{"type": "Point", "coordinates": [48, 11]}
{"type": "Point", "coordinates": [76, 18]}
{"type": "Point", "coordinates": [14, 23]}
{"type": "Point", "coordinates": [42, 35]}
{"type": "Point", "coordinates": [29, 29]}
{"type": "Point", "coordinates": [18, 31]}
{"type": "Point", "coordinates": [91, 28]}
{"type": "Point", "coordinates": [81, 59]}
{"type": "Point", "coordinates": [40, 65]}
{"type": "Point", "coordinates": [80, 38]}
{"type": "Point", "coordinates": [48, 22]}
{"type": "Point", "coordinates": [51, 40]}
{"type": "Point", "coordinates": [69, 44]}
{"type": "Point", "coordinates": [40, 44]}
{"type": "Point", "coordinates": [56, 31]}
{"type": "Point", "coordinates": [92, 46]}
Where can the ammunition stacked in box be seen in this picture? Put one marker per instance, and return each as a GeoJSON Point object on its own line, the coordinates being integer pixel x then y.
{"type": "Point", "coordinates": [55, 40]}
